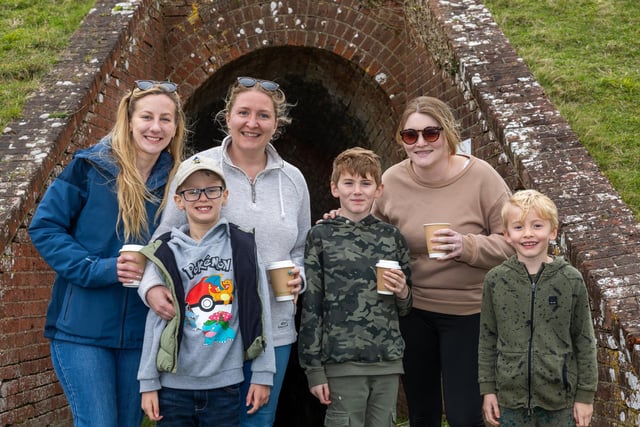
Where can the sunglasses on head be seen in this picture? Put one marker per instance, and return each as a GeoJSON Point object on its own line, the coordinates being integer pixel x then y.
{"type": "Point", "coordinates": [429, 134]}
{"type": "Point", "coordinates": [148, 84]}
{"type": "Point", "coordinates": [250, 82]}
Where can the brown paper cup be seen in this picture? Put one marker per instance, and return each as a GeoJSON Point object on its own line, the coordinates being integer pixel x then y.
{"type": "Point", "coordinates": [279, 277]}
{"type": "Point", "coordinates": [381, 266]}
{"type": "Point", "coordinates": [428, 232]}
{"type": "Point", "coordinates": [142, 261]}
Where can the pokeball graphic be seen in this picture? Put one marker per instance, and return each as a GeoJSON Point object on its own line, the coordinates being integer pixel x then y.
{"type": "Point", "coordinates": [209, 292]}
{"type": "Point", "coordinates": [209, 309]}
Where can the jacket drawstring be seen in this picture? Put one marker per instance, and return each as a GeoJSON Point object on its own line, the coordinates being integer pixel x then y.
{"type": "Point", "coordinates": [280, 193]}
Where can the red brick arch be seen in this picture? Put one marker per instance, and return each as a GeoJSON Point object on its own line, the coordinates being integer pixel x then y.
{"type": "Point", "coordinates": [203, 37]}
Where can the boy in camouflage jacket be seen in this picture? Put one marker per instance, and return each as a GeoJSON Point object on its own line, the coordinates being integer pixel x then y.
{"type": "Point", "coordinates": [350, 344]}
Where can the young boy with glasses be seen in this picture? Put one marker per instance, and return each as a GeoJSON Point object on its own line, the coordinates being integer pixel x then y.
{"type": "Point", "coordinates": [192, 365]}
{"type": "Point", "coordinates": [350, 343]}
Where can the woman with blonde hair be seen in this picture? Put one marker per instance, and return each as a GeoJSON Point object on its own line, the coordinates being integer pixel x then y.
{"type": "Point", "coordinates": [109, 195]}
{"type": "Point", "coordinates": [268, 195]}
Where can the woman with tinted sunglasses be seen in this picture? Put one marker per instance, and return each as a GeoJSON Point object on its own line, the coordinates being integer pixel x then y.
{"type": "Point", "coordinates": [109, 194]}
{"type": "Point", "coordinates": [436, 184]}
{"type": "Point", "coordinates": [270, 196]}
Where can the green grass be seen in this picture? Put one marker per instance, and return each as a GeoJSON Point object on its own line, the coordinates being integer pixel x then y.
{"type": "Point", "coordinates": [33, 33]}
{"type": "Point", "coordinates": [585, 53]}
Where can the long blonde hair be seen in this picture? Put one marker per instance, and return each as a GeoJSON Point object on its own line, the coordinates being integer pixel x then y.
{"type": "Point", "coordinates": [131, 189]}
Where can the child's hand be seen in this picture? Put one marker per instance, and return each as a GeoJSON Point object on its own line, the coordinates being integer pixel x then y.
{"type": "Point", "coordinates": [396, 282]}
{"type": "Point", "coordinates": [257, 397]}
{"type": "Point", "coordinates": [321, 391]}
{"type": "Point", "coordinates": [490, 409]}
{"type": "Point", "coordinates": [150, 405]}
{"type": "Point", "coordinates": [582, 413]}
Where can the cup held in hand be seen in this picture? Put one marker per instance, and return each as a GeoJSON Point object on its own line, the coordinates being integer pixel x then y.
{"type": "Point", "coordinates": [381, 266]}
{"type": "Point", "coordinates": [279, 277]}
{"type": "Point", "coordinates": [429, 229]}
{"type": "Point", "coordinates": [141, 261]}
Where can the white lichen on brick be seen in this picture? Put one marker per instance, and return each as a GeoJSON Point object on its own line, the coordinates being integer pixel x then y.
{"type": "Point", "coordinates": [125, 8]}
{"type": "Point", "coordinates": [633, 400]}
{"type": "Point", "coordinates": [274, 7]}
{"type": "Point", "coordinates": [381, 78]}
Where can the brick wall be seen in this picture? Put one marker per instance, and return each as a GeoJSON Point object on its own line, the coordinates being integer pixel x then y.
{"type": "Point", "coordinates": [351, 66]}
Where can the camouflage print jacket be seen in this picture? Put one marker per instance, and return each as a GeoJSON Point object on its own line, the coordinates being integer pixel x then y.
{"type": "Point", "coordinates": [347, 328]}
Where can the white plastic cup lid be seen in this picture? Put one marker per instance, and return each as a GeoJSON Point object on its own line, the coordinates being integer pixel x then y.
{"type": "Point", "coordinates": [131, 248]}
{"type": "Point", "coordinates": [280, 264]}
{"type": "Point", "coordinates": [385, 263]}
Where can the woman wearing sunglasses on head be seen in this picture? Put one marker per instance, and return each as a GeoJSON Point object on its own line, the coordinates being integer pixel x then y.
{"type": "Point", "coordinates": [109, 195]}
{"type": "Point", "coordinates": [269, 196]}
{"type": "Point", "coordinates": [435, 185]}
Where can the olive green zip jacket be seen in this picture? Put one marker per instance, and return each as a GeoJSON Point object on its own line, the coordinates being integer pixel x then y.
{"type": "Point", "coordinates": [537, 346]}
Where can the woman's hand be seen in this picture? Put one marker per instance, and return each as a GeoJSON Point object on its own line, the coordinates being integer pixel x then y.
{"type": "Point", "coordinates": [128, 269]}
{"type": "Point", "coordinates": [332, 214]}
{"type": "Point", "coordinates": [449, 241]}
{"type": "Point", "coordinates": [160, 300]}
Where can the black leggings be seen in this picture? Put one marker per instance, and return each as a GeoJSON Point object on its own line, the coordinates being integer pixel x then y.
{"type": "Point", "coordinates": [441, 356]}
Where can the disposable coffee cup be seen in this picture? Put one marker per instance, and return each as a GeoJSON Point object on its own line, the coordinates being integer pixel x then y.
{"type": "Point", "coordinates": [141, 261]}
{"type": "Point", "coordinates": [381, 266]}
{"type": "Point", "coordinates": [279, 277]}
{"type": "Point", "coordinates": [429, 229]}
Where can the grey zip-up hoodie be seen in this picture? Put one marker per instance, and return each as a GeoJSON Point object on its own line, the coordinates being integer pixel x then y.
{"type": "Point", "coordinates": [276, 206]}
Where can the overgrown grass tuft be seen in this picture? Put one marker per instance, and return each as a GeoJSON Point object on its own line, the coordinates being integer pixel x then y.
{"type": "Point", "coordinates": [585, 53]}
{"type": "Point", "coordinates": [33, 33]}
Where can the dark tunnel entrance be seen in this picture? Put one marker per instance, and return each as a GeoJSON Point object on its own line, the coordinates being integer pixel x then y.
{"type": "Point", "coordinates": [336, 106]}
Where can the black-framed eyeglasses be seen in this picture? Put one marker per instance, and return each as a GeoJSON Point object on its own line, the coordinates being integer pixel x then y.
{"type": "Point", "coordinates": [168, 87]}
{"type": "Point", "coordinates": [193, 194]}
{"type": "Point", "coordinates": [250, 82]}
{"type": "Point", "coordinates": [429, 134]}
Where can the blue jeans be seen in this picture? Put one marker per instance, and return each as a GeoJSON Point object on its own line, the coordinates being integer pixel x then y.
{"type": "Point", "coordinates": [266, 415]}
{"type": "Point", "coordinates": [538, 417]}
{"type": "Point", "coordinates": [219, 407]}
{"type": "Point", "coordinates": [100, 383]}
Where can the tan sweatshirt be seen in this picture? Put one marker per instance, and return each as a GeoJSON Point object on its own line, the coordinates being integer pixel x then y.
{"type": "Point", "coordinates": [471, 201]}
